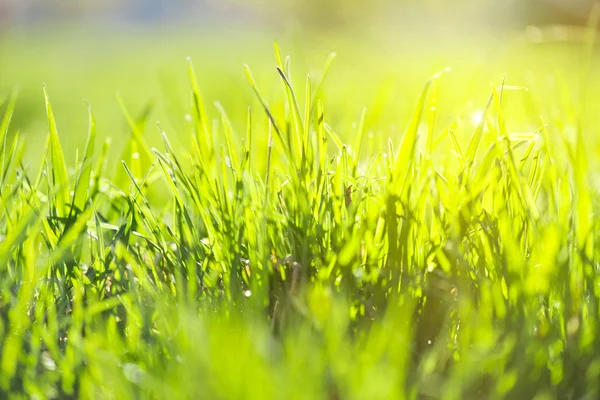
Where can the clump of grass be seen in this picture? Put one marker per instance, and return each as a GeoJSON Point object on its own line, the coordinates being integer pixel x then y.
{"type": "Point", "coordinates": [285, 263]}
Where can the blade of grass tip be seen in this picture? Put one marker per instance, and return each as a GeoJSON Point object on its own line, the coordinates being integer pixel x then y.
{"type": "Point", "coordinates": [320, 136]}
{"type": "Point", "coordinates": [409, 140]}
{"type": "Point", "coordinates": [342, 173]}
{"type": "Point", "coordinates": [547, 144]}
{"type": "Point", "coordinates": [319, 87]}
{"type": "Point", "coordinates": [269, 153]}
{"type": "Point", "coordinates": [132, 125]}
{"type": "Point", "coordinates": [14, 148]}
{"type": "Point", "coordinates": [17, 236]}
{"type": "Point", "coordinates": [537, 183]}
{"type": "Point", "coordinates": [71, 236]}
{"type": "Point", "coordinates": [476, 139]}
{"type": "Point", "coordinates": [100, 236]}
{"type": "Point", "coordinates": [583, 197]}
{"type": "Point", "coordinates": [526, 155]}
{"type": "Point", "coordinates": [307, 111]}
{"type": "Point", "coordinates": [552, 179]}
{"type": "Point", "coordinates": [390, 159]}
{"type": "Point", "coordinates": [203, 131]}
{"type": "Point", "coordinates": [58, 165]}
{"type": "Point", "coordinates": [523, 192]}
{"type": "Point", "coordinates": [224, 180]}
{"type": "Point", "coordinates": [359, 139]}
{"type": "Point", "coordinates": [248, 151]}
{"type": "Point", "coordinates": [501, 90]}
{"type": "Point", "coordinates": [487, 161]}
{"type": "Point", "coordinates": [287, 67]}
{"type": "Point", "coordinates": [173, 162]}
{"type": "Point", "coordinates": [252, 82]}
{"type": "Point", "coordinates": [10, 107]}
{"type": "Point", "coordinates": [76, 157]}
{"type": "Point", "coordinates": [171, 158]}
{"type": "Point", "coordinates": [502, 130]}
{"type": "Point", "coordinates": [230, 149]}
{"type": "Point", "coordinates": [456, 146]}
{"type": "Point", "coordinates": [278, 54]}
{"type": "Point", "coordinates": [291, 93]}
{"type": "Point", "coordinates": [8, 113]}
{"type": "Point", "coordinates": [21, 182]}
{"type": "Point", "coordinates": [433, 96]}
{"type": "Point", "coordinates": [136, 152]}
{"type": "Point", "coordinates": [166, 142]}
{"type": "Point", "coordinates": [198, 100]}
{"type": "Point", "coordinates": [336, 139]}
{"type": "Point", "coordinates": [441, 138]}
{"type": "Point", "coordinates": [294, 110]}
{"type": "Point", "coordinates": [142, 117]}
{"type": "Point", "coordinates": [142, 183]}
{"type": "Point", "coordinates": [43, 165]}
{"type": "Point", "coordinates": [147, 215]}
{"type": "Point", "coordinates": [100, 167]}
{"type": "Point", "coordinates": [513, 88]}
{"type": "Point", "coordinates": [3, 138]}
{"type": "Point", "coordinates": [137, 134]}
{"type": "Point", "coordinates": [82, 183]}
{"type": "Point", "coordinates": [535, 166]}
{"type": "Point", "coordinates": [164, 164]}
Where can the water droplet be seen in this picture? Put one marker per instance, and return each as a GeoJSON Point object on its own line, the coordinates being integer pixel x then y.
{"type": "Point", "coordinates": [48, 362]}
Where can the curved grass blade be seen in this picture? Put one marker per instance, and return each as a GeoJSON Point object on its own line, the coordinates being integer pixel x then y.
{"type": "Point", "coordinates": [57, 167]}
{"type": "Point", "coordinates": [82, 182]}
{"type": "Point", "coordinates": [409, 140]}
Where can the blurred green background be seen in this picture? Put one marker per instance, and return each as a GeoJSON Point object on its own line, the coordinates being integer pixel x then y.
{"type": "Point", "coordinates": [386, 51]}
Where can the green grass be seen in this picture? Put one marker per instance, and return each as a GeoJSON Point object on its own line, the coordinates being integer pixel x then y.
{"type": "Point", "coordinates": [279, 251]}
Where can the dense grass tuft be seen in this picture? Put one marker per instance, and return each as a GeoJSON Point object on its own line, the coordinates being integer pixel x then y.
{"type": "Point", "coordinates": [285, 261]}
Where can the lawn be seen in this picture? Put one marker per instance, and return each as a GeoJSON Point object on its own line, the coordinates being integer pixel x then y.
{"type": "Point", "coordinates": [389, 221]}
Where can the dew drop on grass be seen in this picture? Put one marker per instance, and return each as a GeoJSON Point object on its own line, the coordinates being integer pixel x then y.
{"type": "Point", "coordinates": [48, 362]}
{"type": "Point", "coordinates": [247, 293]}
{"type": "Point", "coordinates": [358, 273]}
{"type": "Point", "coordinates": [133, 373]}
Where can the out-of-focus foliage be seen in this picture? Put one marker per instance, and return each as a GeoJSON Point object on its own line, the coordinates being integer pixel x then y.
{"type": "Point", "coordinates": [384, 227]}
{"type": "Point", "coordinates": [304, 248]}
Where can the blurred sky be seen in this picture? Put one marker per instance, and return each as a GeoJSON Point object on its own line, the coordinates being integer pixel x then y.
{"type": "Point", "coordinates": [312, 14]}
